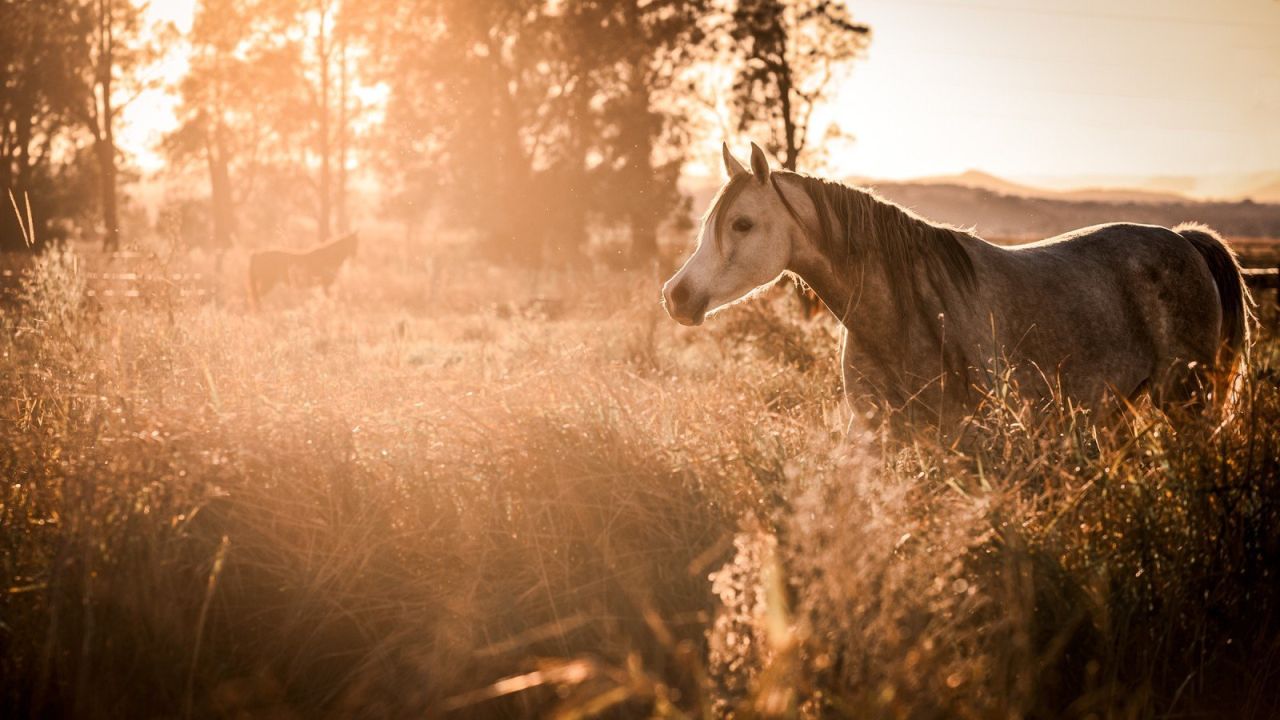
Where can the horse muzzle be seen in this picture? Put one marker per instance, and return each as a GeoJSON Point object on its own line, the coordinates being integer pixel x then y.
{"type": "Point", "coordinates": [682, 305]}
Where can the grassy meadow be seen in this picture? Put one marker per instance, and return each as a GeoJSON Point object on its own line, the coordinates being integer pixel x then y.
{"type": "Point", "coordinates": [455, 490]}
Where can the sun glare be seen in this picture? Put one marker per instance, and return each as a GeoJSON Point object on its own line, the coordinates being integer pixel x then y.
{"type": "Point", "coordinates": [948, 87]}
{"type": "Point", "coordinates": [150, 116]}
{"type": "Point", "coordinates": [1066, 92]}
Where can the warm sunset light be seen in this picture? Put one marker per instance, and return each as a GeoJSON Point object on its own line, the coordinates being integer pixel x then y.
{"type": "Point", "coordinates": [944, 80]}
{"type": "Point", "coordinates": [639, 358]}
{"type": "Point", "coordinates": [1171, 95]}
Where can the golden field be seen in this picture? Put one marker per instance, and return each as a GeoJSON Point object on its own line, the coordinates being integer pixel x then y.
{"type": "Point", "coordinates": [455, 490]}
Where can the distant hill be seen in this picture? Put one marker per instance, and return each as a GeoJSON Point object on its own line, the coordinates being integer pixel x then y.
{"type": "Point", "coordinates": [1259, 186]}
{"type": "Point", "coordinates": [987, 181]}
{"type": "Point", "coordinates": [984, 181]}
{"type": "Point", "coordinates": [1265, 193]}
{"type": "Point", "coordinates": [998, 215]}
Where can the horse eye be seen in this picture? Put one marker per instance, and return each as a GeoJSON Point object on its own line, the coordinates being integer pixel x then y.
{"type": "Point", "coordinates": [741, 225]}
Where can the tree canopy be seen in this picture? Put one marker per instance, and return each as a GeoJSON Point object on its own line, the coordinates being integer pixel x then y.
{"type": "Point", "coordinates": [530, 123]}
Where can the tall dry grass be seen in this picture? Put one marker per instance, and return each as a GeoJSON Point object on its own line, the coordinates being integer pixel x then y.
{"type": "Point", "coordinates": [451, 500]}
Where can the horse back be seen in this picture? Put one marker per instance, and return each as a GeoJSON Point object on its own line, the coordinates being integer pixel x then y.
{"type": "Point", "coordinates": [317, 266]}
{"type": "Point", "coordinates": [1105, 305]}
{"type": "Point", "coordinates": [1105, 259]}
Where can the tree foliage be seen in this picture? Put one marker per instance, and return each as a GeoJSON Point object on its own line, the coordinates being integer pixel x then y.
{"type": "Point", "coordinates": [70, 68]}
{"type": "Point", "coordinates": [268, 103]}
{"type": "Point", "coordinates": [532, 121]}
{"type": "Point", "coordinates": [42, 57]}
{"type": "Point", "coordinates": [116, 48]}
{"type": "Point", "coordinates": [240, 112]}
{"type": "Point", "coordinates": [789, 54]}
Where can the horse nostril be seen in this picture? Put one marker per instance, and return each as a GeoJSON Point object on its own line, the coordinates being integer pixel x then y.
{"type": "Point", "coordinates": [679, 294]}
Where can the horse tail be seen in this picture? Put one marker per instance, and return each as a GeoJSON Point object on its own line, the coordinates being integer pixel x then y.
{"type": "Point", "coordinates": [1233, 293]}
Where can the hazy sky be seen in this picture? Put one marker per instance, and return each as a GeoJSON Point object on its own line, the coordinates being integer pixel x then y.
{"type": "Point", "coordinates": [1035, 89]}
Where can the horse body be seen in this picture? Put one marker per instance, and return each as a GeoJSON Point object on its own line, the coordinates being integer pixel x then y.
{"type": "Point", "coordinates": [933, 314]}
{"type": "Point", "coordinates": [317, 267]}
{"type": "Point", "coordinates": [1110, 309]}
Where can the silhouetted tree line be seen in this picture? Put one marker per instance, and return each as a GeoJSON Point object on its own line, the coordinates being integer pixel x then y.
{"type": "Point", "coordinates": [69, 69]}
{"type": "Point", "coordinates": [266, 113]}
{"type": "Point", "coordinates": [525, 119]}
{"type": "Point", "coordinates": [530, 122]}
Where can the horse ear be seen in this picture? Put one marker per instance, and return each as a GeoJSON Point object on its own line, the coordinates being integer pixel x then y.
{"type": "Point", "coordinates": [731, 165]}
{"type": "Point", "coordinates": [759, 163]}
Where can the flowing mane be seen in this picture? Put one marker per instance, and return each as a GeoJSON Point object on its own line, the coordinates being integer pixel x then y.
{"type": "Point", "coordinates": [926, 264]}
{"type": "Point", "coordinates": [855, 223]}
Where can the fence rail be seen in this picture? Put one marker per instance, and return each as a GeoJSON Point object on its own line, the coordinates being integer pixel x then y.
{"type": "Point", "coordinates": [1265, 279]}
{"type": "Point", "coordinates": [141, 282]}
{"type": "Point", "coordinates": [1268, 278]}
{"type": "Point", "coordinates": [120, 277]}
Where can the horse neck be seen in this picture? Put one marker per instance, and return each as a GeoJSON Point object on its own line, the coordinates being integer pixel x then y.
{"type": "Point", "coordinates": [854, 286]}
{"type": "Point", "coordinates": [338, 249]}
{"type": "Point", "coordinates": [891, 315]}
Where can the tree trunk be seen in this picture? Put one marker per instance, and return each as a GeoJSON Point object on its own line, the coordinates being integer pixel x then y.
{"type": "Point", "coordinates": [573, 170]}
{"type": "Point", "coordinates": [110, 209]}
{"type": "Point", "coordinates": [105, 145]}
{"type": "Point", "coordinates": [644, 216]}
{"type": "Point", "coordinates": [221, 201]}
{"type": "Point", "coordinates": [220, 189]}
{"type": "Point", "coordinates": [341, 199]}
{"type": "Point", "coordinates": [22, 149]}
{"type": "Point", "coordinates": [791, 159]}
{"type": "Point", "coordinates": [577, 186]}
{"type": "Point", "coordinates": [322, 50]}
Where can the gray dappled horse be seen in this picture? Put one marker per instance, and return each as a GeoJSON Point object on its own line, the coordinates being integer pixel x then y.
{"type": "Point", "coordinates": [933, 314]}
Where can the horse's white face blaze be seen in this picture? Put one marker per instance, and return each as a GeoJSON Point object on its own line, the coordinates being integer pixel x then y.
{"type": "Point", "coordinates": [743, 245]}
